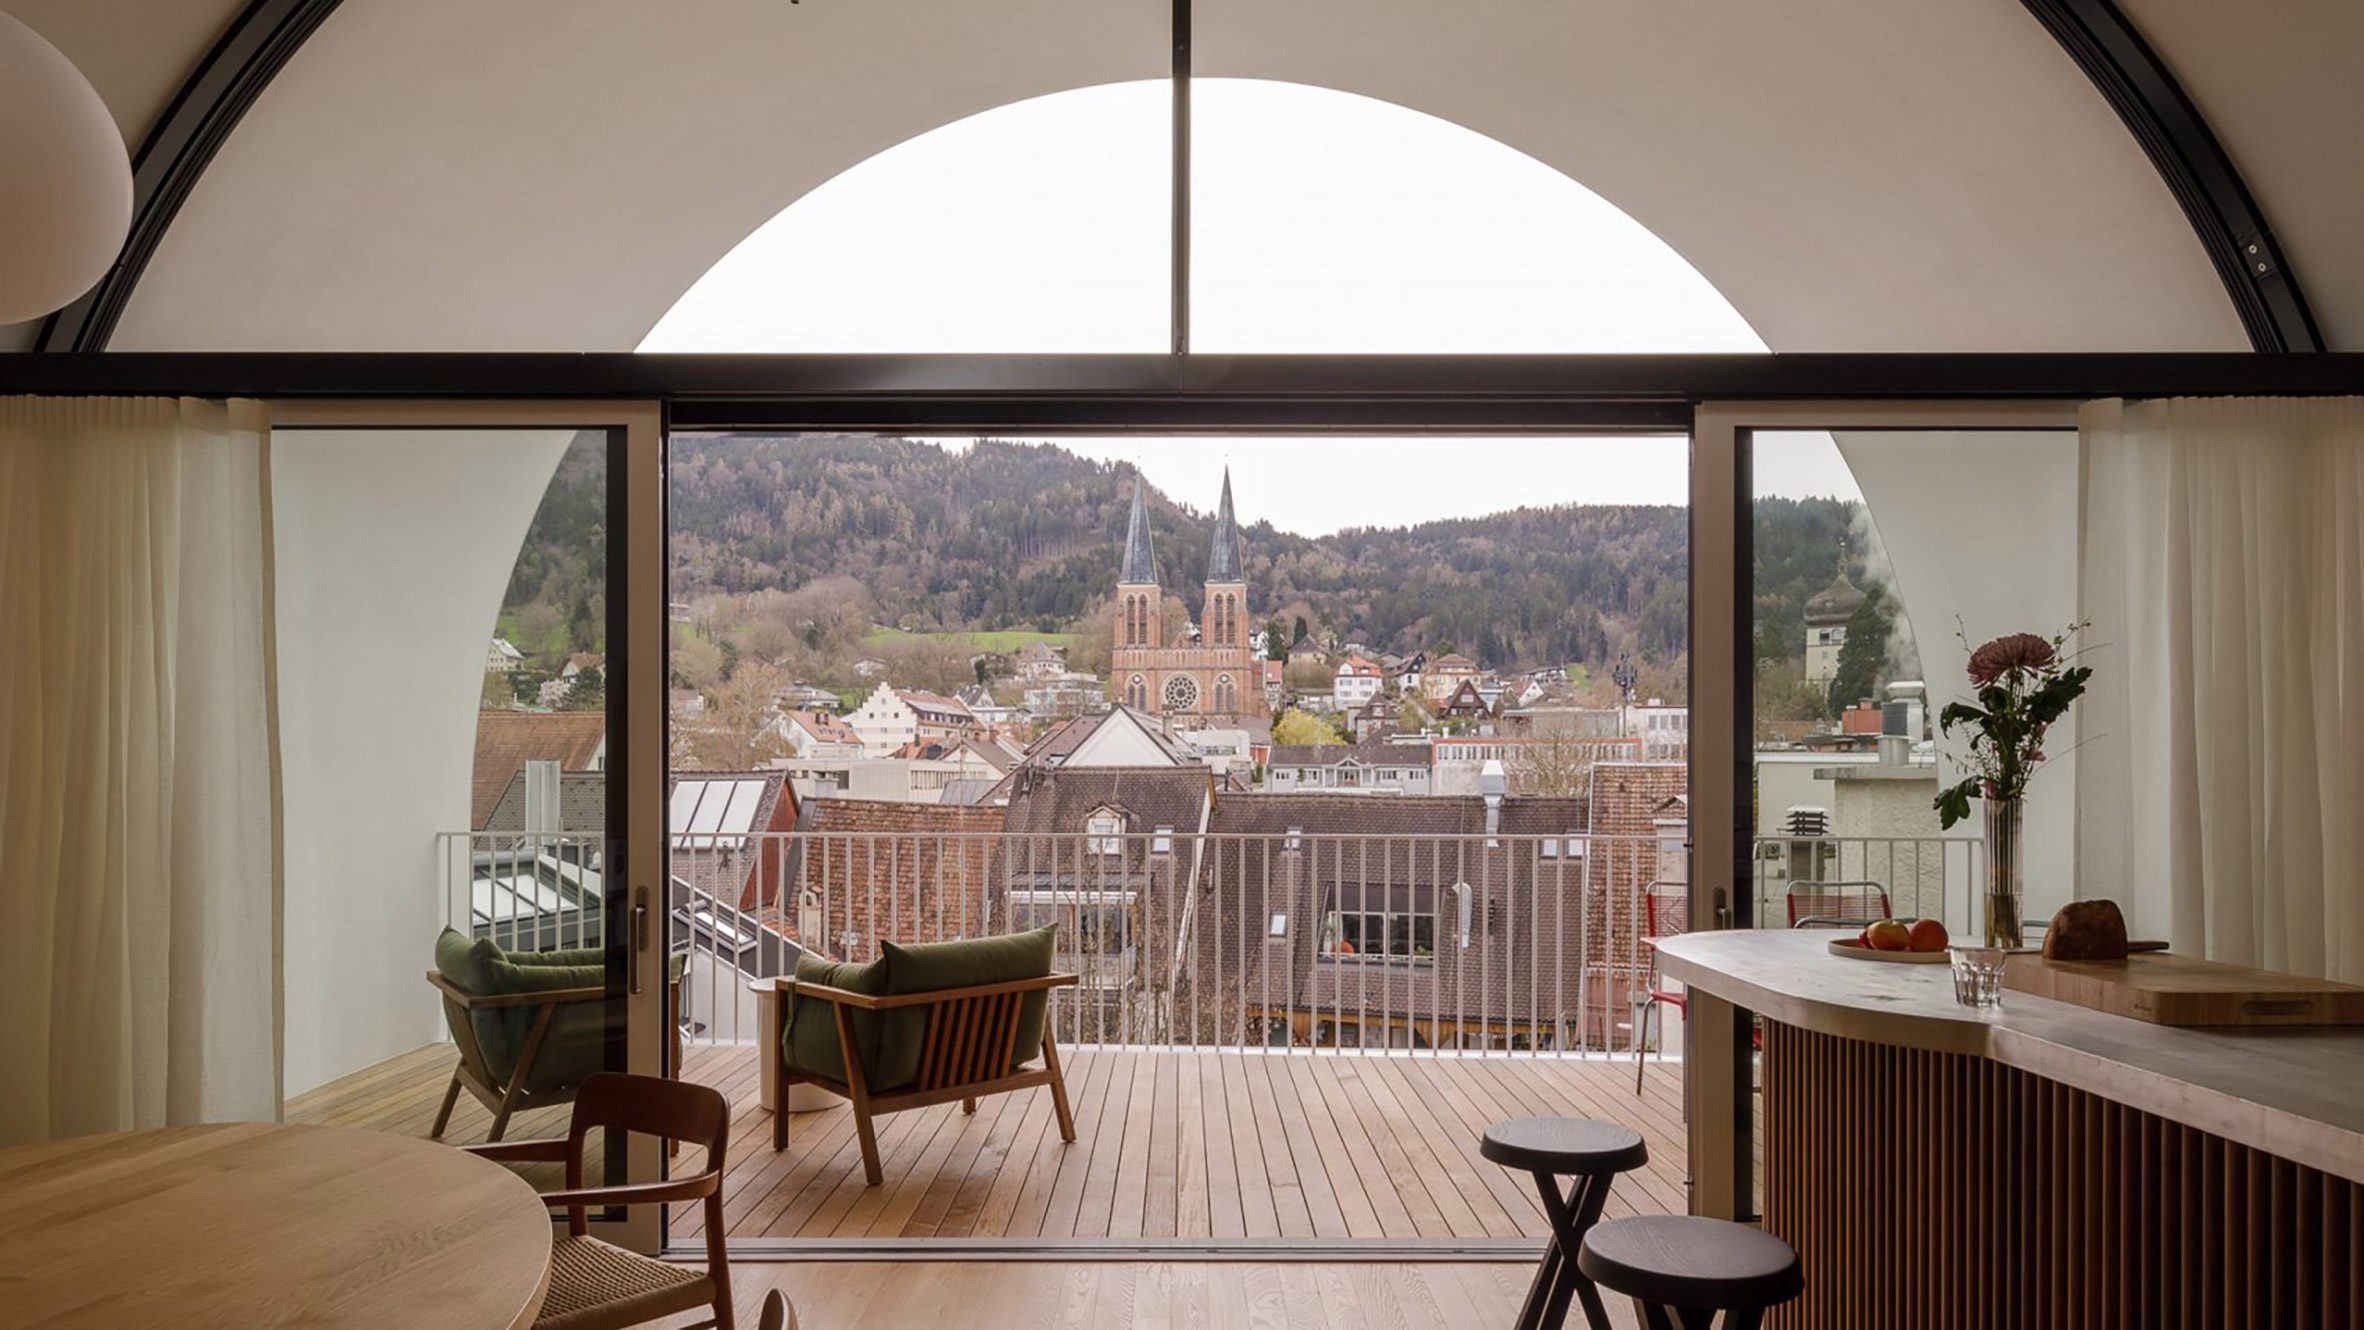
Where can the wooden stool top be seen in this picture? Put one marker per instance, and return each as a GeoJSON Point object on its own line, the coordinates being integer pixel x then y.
{"type": "Point", "coordinates": [1564, 1146]}
{"type": "Point", "coordinates": [1686, 1261]}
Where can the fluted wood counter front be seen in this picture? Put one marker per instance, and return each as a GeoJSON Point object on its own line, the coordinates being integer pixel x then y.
{"type": "Point", "coordinates": [2041, 1164]}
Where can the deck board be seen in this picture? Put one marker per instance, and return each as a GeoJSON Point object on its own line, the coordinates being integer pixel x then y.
{"type": "Point", "coordinates": [1171, 1145]}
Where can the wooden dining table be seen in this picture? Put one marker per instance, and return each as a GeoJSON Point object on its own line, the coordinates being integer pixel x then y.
{"type": "Point", "coordinates": [266, 1224]}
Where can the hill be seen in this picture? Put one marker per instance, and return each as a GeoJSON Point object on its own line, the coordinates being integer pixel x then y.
{"type": "Point", "coordinates": [1017, 538]}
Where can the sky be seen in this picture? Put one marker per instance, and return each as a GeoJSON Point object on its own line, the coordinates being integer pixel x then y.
{"type": "Point", "coordinates": [1322, 221]}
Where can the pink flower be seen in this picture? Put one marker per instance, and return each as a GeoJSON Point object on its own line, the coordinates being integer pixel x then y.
{"type": "Point", "coordinates": [2013, 653]}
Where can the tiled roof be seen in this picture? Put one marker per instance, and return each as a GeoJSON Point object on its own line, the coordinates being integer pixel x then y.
{"type": "Point", "coordinates": [1401, 855]}
{"type": "Point", "coordinates": [507, 740]}
{"type": "Point", "coordinates": [884, 871]}
{"type": "Point", "coordinates": [582, 804]}
{"type": "Point", "coordinates": [1377, 754]}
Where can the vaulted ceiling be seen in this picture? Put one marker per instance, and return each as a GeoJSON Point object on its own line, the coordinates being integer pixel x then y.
{"type": "Point", "coordinates": [552, 174]}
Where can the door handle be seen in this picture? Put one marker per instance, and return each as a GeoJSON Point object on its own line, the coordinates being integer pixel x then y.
{"type": "Point", "coordinates": [639, 941]}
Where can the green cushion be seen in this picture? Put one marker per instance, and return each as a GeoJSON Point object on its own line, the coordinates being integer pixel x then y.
{"type": "Point", "coordinates": [571, 956]}
{"type": "Point", "coordinates": [808, 1035]}
{"type": "Point", "coordinates": [926, 967]}
{"type": "Point", "coordinates": [576, 1045]}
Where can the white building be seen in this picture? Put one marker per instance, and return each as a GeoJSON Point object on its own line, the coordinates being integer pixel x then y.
{"type": "Point", "coordinates": [1359, 681]}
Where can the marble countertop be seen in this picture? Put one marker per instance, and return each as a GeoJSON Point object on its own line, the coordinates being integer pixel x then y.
{"type": "Point", "coordinates": [2292, 1091]}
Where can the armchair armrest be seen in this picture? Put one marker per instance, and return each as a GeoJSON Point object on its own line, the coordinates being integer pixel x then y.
{"type": "Point", "coordinates": [549, 1149]}
{"type": "Point", "coordinates": [930, 998]}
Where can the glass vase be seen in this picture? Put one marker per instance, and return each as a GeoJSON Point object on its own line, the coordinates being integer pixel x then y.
{"type": "Point", "coordinates": [2006, 871]}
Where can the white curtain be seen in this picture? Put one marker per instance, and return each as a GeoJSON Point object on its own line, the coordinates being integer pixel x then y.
{"type": "Point", "coordinates": [139, 883]}
{"type": "Point", "coordinates": [2220, 793]}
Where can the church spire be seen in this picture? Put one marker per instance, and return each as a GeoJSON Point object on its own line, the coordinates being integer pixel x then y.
{"type": "Point", "coordinates": [1140, 566]}
{"type": "Point", "coordinates": [1223, 559]}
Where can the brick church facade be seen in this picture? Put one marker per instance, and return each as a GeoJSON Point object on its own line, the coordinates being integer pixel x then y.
{"type": "Point", "coordinates": [1216, 679]}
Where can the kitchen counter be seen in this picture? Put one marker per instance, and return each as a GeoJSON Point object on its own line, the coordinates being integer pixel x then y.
{"type": "Point", "coordinates": [2294, 1092]}
{"type": "Point", "coordinates": [2039, 1164]}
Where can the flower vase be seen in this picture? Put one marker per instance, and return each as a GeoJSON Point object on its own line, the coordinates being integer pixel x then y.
{"type": "Point", "coordinates": [2006, 871]}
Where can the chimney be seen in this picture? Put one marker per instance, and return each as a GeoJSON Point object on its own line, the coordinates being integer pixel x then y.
{"type": "Point", "coordinates": [1493, 783]}
{"type": "Point", "coordinates": [542, 781]}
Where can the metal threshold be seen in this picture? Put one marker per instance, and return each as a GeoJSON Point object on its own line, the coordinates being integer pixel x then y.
{"type": "Point", "coordinates": [1259, 1250]}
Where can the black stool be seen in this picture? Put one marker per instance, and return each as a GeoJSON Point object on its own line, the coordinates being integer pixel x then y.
{"type": "Point", "coordinates": [1553, 1148]}
{"type": "Point", "coordinates": [1681, 1270]}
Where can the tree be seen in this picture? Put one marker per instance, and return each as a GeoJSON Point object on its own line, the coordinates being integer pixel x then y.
{"type": "Point", "coordinates": [1303, 727]}
{"type": "Point", "coordinates": [1863, 655]}
{"type": "Point", "coordinates": [1557, 763]}
{"type": "Point", "coordinates": [1784, 697]}
{"type": "Point", "coordinates": [735, 733]}
{"type": "Point", "coordinates": [1276, 647]}
{"type": "Point", "coordinates": [697, 662]}
{"type": "Point", "coordinates": [1299, 635]}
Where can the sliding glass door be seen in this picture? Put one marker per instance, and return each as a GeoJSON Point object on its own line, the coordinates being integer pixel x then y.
{"type": "Point", "coordinates": [470, 662]}
{"type": "Point", "coordinates": [1847, 557]}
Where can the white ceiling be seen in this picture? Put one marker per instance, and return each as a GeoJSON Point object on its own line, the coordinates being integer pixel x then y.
{"type": "Point", "coordinates": [1852, 174]}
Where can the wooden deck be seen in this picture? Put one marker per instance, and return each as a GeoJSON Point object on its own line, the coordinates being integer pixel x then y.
{"type": "Point", "coordinates": [1172, 1147]}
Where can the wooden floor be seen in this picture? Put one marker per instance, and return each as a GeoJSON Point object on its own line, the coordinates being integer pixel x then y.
{"type": "Point", "coordinates": [1171, 1147]}
{"type": "Point", "coordinates": [1121, 1295]}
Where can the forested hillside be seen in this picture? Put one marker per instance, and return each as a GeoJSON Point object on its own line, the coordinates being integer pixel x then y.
{"type": "Point", "coordinates": [1025, 536]}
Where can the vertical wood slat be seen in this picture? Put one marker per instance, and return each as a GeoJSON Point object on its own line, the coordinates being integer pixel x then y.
{"type": "Point", "coordinates": [2025, 1202]}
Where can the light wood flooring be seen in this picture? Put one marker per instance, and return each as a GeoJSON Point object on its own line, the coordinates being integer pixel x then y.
{"type": "Point", "coordinates": [1117, 1295]}
{"type": "Point", "coordinates": [1225, 1148]}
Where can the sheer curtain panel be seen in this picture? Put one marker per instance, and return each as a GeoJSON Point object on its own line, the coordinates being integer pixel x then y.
{"type": "Point", "coordinates": [139, 836]}
{"type": "Point", "coordinates": [2220, 793]}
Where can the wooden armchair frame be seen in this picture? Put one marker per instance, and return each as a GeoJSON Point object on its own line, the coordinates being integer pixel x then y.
{"type": "Point", "coordinates": [964, 1053]}
{"type": "Point", "coordinates": [475, 1072]}
{"type": "Point", "coordinates": [674, 1110]}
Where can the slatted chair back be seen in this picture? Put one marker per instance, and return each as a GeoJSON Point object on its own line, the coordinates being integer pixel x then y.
{"type": "Point", "coordinates": [969, 1039]}
{"type": "Point", "coordinates": [1813, 903]}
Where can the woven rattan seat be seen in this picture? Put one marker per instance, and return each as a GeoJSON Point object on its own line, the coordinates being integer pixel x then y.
{"type": "Point", "coordinates": [595, 1286]}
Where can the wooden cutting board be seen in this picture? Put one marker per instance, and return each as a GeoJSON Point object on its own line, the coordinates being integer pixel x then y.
{"type": "Point", "coordinates": [2184, 990]}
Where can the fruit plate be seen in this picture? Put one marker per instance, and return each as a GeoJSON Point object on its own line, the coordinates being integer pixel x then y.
{"type": "Point", "coordinates": [1856, 951]}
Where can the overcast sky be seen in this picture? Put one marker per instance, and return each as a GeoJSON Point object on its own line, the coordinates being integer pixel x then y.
{"type": "Point", "coordinates": [1323, 221]}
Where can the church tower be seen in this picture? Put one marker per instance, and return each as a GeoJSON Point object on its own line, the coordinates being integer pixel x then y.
{"type": "Point", "coordinates": [1139, 618]}
{"type": "Point", "coordinates": [1221, 623]}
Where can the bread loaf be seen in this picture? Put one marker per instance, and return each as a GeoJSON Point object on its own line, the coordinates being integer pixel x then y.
{"type": "Point", "coordinates": [2086, 931]}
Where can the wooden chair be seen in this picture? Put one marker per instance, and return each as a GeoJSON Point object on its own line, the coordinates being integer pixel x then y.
{"type": "Point", "coordinates": [595, 1285]}
{"type": "Point", "coordinates": [503, 1091]}
{"type": "Point", "coordinates": [1836, 904]}
{"type": "Point", "coordinates": [965, 1052]}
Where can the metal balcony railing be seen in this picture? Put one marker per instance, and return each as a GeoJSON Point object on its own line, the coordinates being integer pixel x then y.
{"type": "Point", "coordinates": [1287, 938]}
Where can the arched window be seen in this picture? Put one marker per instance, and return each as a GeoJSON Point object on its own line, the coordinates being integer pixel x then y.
{"type": "Point", "coordinates": [1225, 695]}
{"type": "Point", "coordinates": [1137, 693]}
{"type": "Point", "coordinates": [1322, 221]}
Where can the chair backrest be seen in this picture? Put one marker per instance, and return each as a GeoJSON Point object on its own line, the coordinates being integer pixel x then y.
{"type": "Point", "coordinates": [1838, 902]}
{"type": "Point", "coordinates": [969, 1039]}
{"type": "Point", "coordinates": [1666, 909]}
{"type": "Point", "coordinates": [653, 1106]}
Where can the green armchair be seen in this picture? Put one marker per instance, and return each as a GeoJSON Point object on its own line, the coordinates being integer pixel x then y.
{"type": "Point", "coordinates": [924, 1024]}
{"type": "Point", "coordinates": [529, 1025]}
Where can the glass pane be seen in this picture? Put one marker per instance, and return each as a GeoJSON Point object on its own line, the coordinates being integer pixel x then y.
{"type": "Point", "coordinates": [444, 611]}
{"type": "Point", "coordinates": [1882, 558]}
{"type": "Point", "coordinates": [1327, 221]}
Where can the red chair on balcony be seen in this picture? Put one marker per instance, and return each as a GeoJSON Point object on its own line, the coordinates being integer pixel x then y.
{"type": "Point", "coordinates": [1837, 904]}
{"type": "Point", "coordinates": [1666, 912]}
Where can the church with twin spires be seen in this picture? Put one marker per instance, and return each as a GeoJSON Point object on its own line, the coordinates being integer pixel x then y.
{"type": "Point", "coordinates": [1214, 679]}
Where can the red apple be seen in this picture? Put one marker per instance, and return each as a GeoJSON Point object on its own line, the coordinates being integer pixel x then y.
{"type": "Point", "coordinates": [1887, 935]}
{"type": "Point", "coordinates": [1926, 935]}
